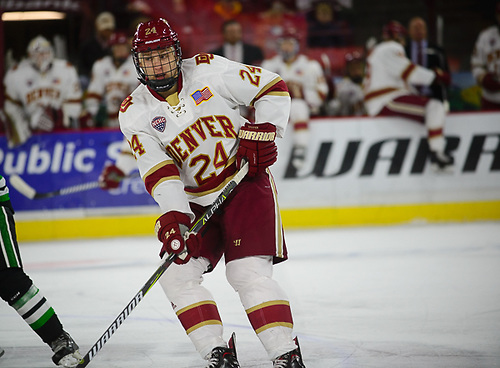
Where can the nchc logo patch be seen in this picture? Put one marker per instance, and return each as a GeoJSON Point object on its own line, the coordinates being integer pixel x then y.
{"type": "Point", "coordinates": [159, 123]}
{"type": "Point", "coordinates": [201, 95]}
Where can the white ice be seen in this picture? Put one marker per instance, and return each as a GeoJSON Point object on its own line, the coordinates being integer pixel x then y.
{"type": "Point", "coordinates": [412, 296]}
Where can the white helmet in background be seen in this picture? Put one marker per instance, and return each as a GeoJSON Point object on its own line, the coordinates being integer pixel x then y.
{"type": "Point", "coordinates": [40, 53]}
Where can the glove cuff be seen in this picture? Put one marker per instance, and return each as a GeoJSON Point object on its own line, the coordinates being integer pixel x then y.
{"type": "Point", "coordinates": [264, 132]}
{"type": "Point", "coordinates": [171, 217]}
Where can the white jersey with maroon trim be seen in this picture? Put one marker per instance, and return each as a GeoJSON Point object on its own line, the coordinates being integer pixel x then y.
{"type": "Point", "coordinates": [112, 84]}
{"type": "Point", "coordinates": [26, 89]}
{"type": "Point", "coordinates": [389, 74]}
{"type": "Point", "coordinates": [350, 98]}
{"type": "Point", "coordinates": [486, 58]}
{"type": "Point", "coordinates": [303, 74]}
{"type": "Point", "coordinates": [185, 148]}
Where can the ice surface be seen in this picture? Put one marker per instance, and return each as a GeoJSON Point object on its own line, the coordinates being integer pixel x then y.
{"type": "Point", "coordinates": [405, 296]}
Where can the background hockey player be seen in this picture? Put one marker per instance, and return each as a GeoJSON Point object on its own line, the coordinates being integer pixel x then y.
{"type": "Point", "coordinates": [349, 96]}
{"type": "Point", "coordinates": [113, 173]}
{"type": "Point", "coordinates": [485, 63]}
{"type": "Point", "coordinates": [389, 91]}
{"type": "Point", "coordinates": [308, 89]}
{"type": "Point", "coordinates": [17, 289]}
{"type": "Point", "coordinates": [42, 94]}
{"type": "Point", "coordinates": [183, 126]}
{"type": "Point", "coordinates": [113, 78]}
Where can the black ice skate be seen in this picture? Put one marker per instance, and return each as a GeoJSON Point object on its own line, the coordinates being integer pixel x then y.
{"type": "Point", "coordinates": [292, 359]}
{"type": "Point", "coordinates": [222, 357]}
{"type": "Point", "coordinates": [441, 161]}
{"type": "Point", "coordinates": [65, 350]}
{"type": "Point", "coordinates": [1, 352]}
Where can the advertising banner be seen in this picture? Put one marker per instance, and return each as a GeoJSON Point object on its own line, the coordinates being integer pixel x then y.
{"type": "Point", "coordinates": [384, 161]}
{"type": "Point", "coordinates": [350, 162]}
{"type": "Point", "coordinates": [49, 162]}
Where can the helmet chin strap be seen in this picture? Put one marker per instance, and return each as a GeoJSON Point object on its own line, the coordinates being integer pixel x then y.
{"type": "Point", "coordinates": [165, 85]}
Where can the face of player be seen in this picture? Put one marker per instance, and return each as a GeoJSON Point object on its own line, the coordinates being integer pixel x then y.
{"type": "Point", "coordinates": [159, 64]}
{"type": "Point", "coordinates": [120, 52]}
{"type": "Point", "coordinates": [356, 71]}
{"type": "Point", "coordinates": [42, 60]}
{"type": "Point", "coordinates": [288, 49]}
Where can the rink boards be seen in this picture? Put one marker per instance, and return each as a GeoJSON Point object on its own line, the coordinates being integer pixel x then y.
{"type": "Point", "coordinates": [358, 171]}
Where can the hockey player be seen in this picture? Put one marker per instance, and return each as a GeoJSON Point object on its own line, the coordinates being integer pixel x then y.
{"type": "Point", "coordinates": [485, 63]}
{"type": "Point", "coordinates": [389, 92]}
{"type": "Point", "coordinates": [17, 289]}
{"type": "Point", "coordinates": [113, 173]}
{"type": "Point", "coordinates": [41, 94]}
{"type": "Point", "coordinates": [113, 78]}
{"type": "Point", "coordinates": [349, 96]}
{"type": "Point", "coordinates": [185, 130]}
{"type": "Point", "coordinates": [308, 89]}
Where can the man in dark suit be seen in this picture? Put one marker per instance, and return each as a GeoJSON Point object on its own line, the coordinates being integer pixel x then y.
{"type": "Point", "coordinates": [234, 48]}
{"type": "Point", "coordinates": [420, 51]}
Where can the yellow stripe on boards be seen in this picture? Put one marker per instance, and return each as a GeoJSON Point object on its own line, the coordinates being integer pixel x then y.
{"type": "Point", "coordinates": [391, 214]}
{"type": "Point", "coordinates": [113, 226]}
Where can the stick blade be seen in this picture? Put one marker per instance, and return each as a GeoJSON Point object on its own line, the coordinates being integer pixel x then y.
{"type": "Point", "coordinates": [22, 187]}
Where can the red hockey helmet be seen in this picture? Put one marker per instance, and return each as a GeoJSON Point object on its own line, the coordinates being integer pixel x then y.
{"type": "Point", "coordinates": [393, 30]}
{"type": "Point", "coordinates": [118, 38]}
{"type": "Point", "coordinates": [156, 42]}
{"type": "Point", "coordinates": [353, 56]}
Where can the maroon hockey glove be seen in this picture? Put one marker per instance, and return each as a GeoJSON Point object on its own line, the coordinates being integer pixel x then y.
{"type": "Point", "coordinates": [170, 228]}
{"type": "Point", "coordinates": [442, 77]}
{"type": "Point", "coordinates": [111, 177]}
{"type": "Point", "coordinates": [491, 82]}
{"type": "Point", "coordinates": [257, 147]}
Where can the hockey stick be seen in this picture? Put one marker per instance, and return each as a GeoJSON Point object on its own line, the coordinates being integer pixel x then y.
{"type": "Point", "coordinates": [161, 269]}
{"type": "Point", "coordinates": [29, 192]}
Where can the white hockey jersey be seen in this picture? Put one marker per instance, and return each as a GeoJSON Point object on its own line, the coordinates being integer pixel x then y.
{"type": "Point", "coordinates": [350, 98]}
{"type": "Point", "coordinates": [111, 84]}
{"type": "Point", "coordinates": [305, 73]}
{"type": "Point", "coordinates": [27, 90]}
{"type": "Point", "coordinates": [390, 74]}
{"type": "Point", "coordinates": [185, 148]}
{"type": "Point", "coordinates": [486, 58]}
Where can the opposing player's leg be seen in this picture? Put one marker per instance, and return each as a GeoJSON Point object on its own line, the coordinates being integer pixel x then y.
{"type": "Point", "coordinates": [18, 290]}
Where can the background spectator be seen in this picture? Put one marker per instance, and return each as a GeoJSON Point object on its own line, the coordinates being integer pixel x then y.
{"type": "Point", "coordinates": [234, 48]}
{"type": "Point", "coordinates": [96, 47]}
{"type": "Point", "coordinates": [271, 25]}
{"type": "Point", "coordinates": [323, 29]}
{"type": "Point", "coordinates": [427, 54]}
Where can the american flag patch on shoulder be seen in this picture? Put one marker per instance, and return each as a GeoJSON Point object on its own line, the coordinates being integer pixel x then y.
{"type": "Point", "coordinates": [201, 95]}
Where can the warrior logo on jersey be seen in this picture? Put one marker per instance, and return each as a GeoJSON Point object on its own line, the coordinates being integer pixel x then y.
{"type": "Point", "coordinates": [201, 95]}
{"type": "Point", "coordinates": [159, 123]}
